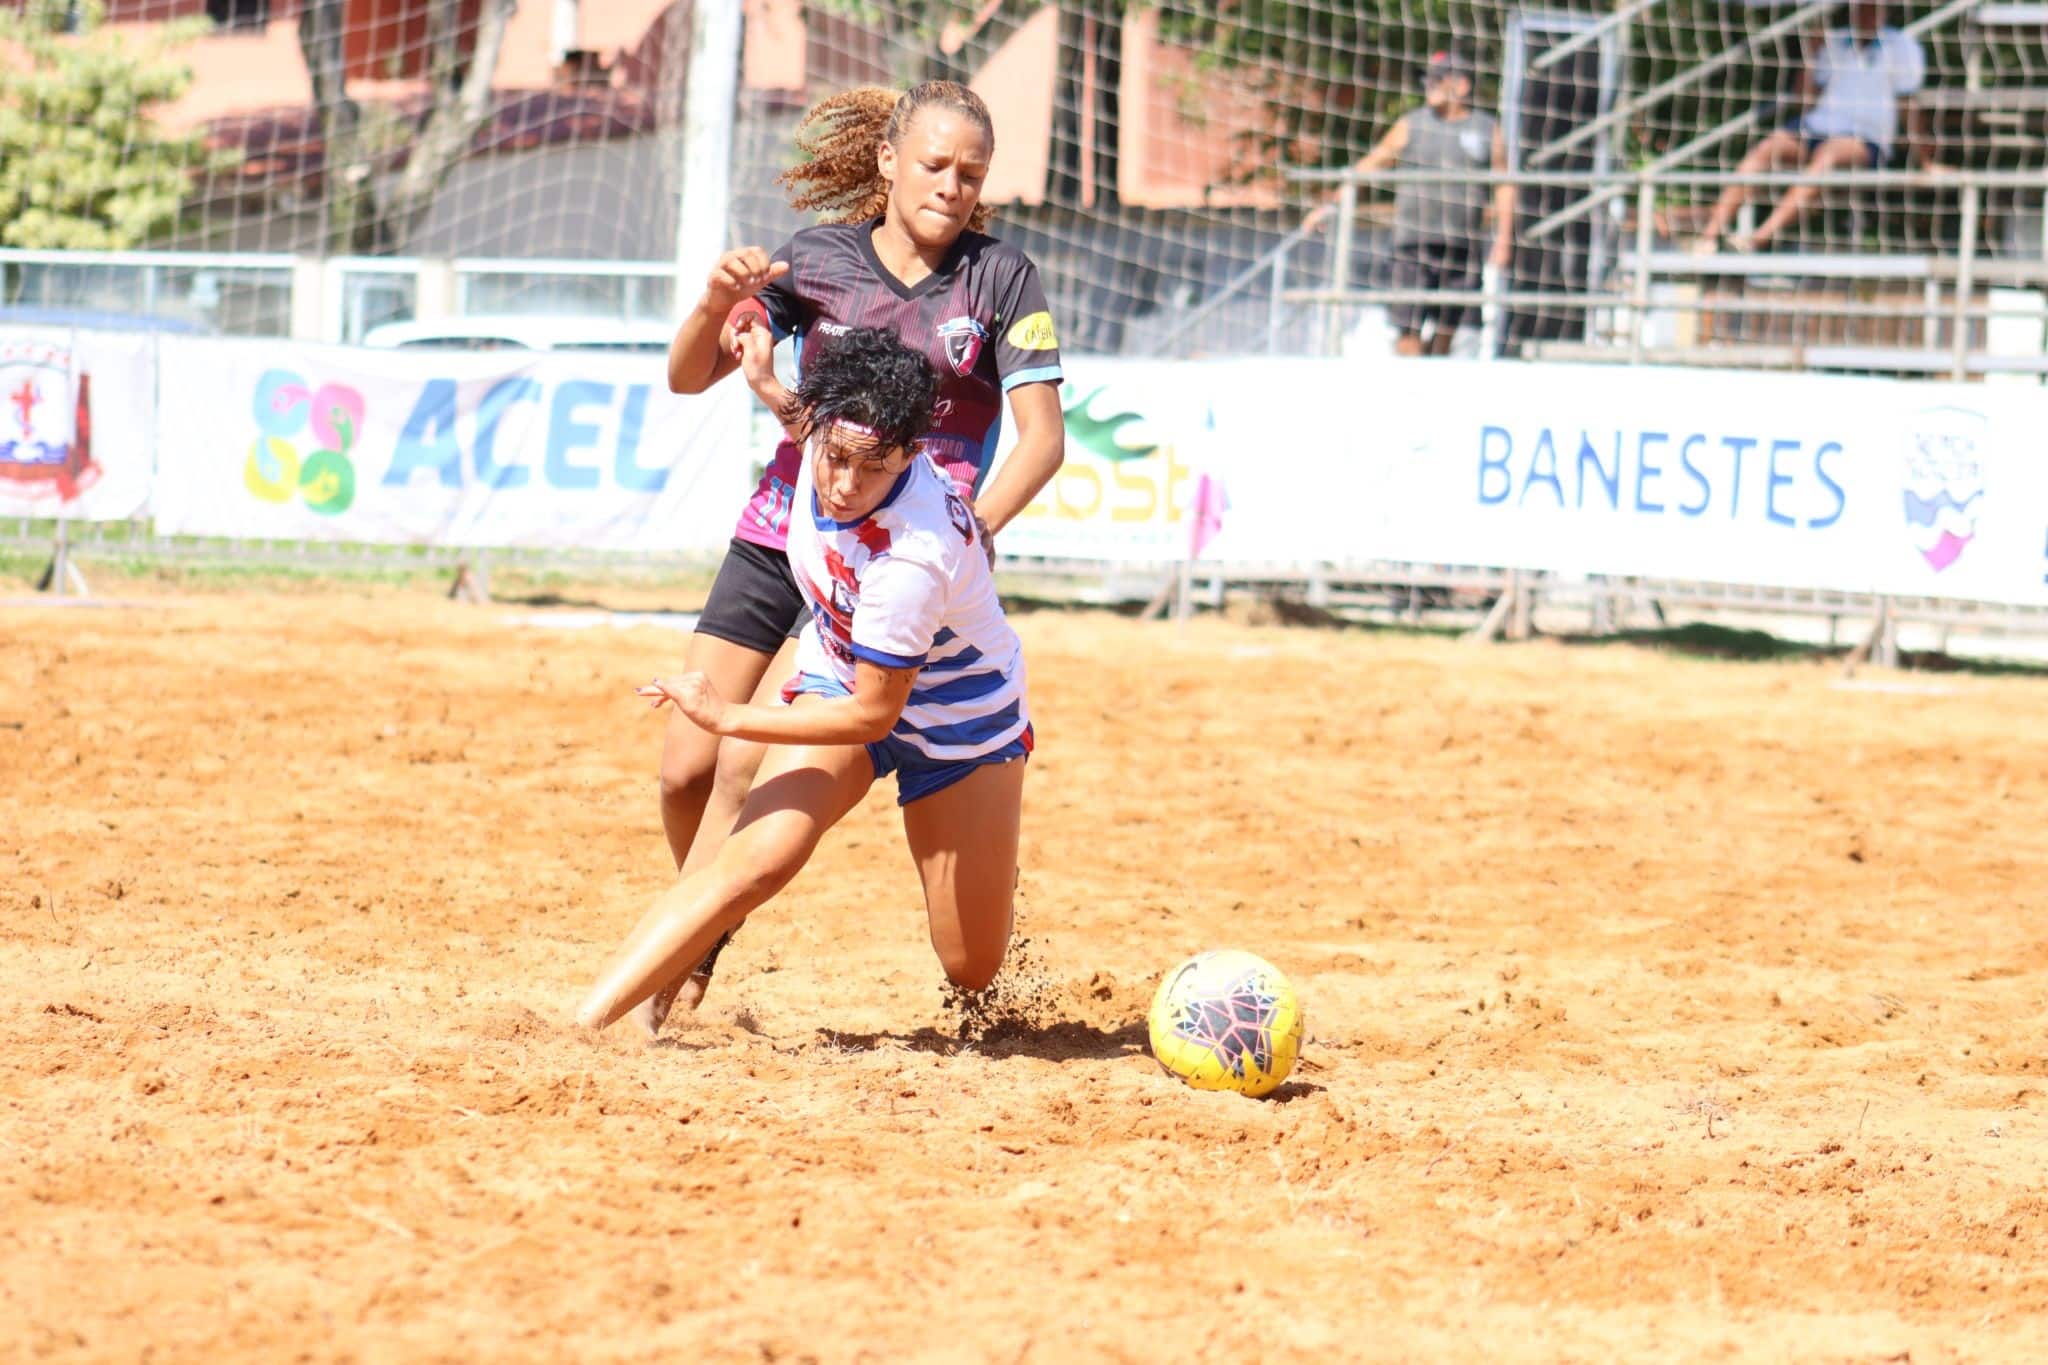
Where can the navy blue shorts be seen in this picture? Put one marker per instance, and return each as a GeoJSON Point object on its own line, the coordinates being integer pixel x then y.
{"type": "Point", "coordinates": [918, 774]}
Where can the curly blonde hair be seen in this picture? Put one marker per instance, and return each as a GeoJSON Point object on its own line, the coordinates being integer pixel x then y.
{"type": "Point", "coordinates": [838, 177]}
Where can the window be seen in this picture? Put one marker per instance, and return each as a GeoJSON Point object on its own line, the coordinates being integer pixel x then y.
{"type": "Point", "coordinates": [239, 13]}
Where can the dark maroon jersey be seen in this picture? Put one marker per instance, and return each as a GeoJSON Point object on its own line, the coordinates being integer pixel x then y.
{"type": "Point", "coordinates": [980, 318]}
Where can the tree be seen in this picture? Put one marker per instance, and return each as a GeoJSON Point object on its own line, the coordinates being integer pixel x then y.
{"type": "Point", "coordinates": [82, 163]}
{"type": "Point", "coordinates": [358, 148]}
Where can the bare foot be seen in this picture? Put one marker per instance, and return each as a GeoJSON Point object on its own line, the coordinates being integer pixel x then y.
{"type": "Point", "coordinates": [650, 1014]}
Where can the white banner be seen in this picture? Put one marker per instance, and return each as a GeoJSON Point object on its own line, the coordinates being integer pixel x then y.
{"type": "Point", "coordinates": [560, 449]}
{"type": "Point", "coordinates": [76, 423]}
{"type": "Point", "coordinates": [1135, 432]}
{"type": "Point", "coordinates": [1862, 485]}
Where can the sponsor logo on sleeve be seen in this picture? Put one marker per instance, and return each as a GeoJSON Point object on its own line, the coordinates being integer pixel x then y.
{"type": "Point", "coordinates": [1034, 333]}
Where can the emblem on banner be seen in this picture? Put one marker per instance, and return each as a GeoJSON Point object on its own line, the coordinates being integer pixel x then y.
{"type": "Point", "coordinates": [285, 405]}
{"type": "Point", "coordinates": [963, 337]}
{"type": "Point", "coordinates": [1944, 482]}
{"type": "Point", "coordinates": [45, 424]}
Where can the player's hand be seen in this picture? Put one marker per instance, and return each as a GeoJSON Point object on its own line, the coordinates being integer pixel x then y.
{"type": "Point", "coordinates": [988, 538]}
{"type": "Point", "coordinates": [740, 274]}
{"type": "Point", "coordinates": [693, 695]}
{"type": "Point", "coordinates": [753, 345]}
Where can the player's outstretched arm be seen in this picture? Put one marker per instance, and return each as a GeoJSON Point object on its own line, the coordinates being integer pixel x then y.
{"type": "Point", "coordinates": [754, 345]}
{"type": "Point", "coordinates": [1384, 156]}
{"type": "Point", "coordinates": [701, 353]}
{"type": "Point", "coordinates": [1040, 451]}
{"type": "Point", "coordinates": [866, 717]}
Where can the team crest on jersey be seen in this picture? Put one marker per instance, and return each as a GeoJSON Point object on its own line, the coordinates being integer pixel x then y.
{"type": "Point", "coordinates": [962, 519]}
{"type": "Point", "coordinates": [963, 338]}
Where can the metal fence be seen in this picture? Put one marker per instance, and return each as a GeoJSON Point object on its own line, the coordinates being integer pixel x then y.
{"type": "Point", "coordinates": [1962, 312]}
{"type": "Point", "coordinates": [334, 299]}
{"type": "Point", "coordinates": [1486, 602]}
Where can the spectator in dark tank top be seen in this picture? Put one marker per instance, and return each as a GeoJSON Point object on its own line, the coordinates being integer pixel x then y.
{"type": "Point", "coordinates": [1440, 229]}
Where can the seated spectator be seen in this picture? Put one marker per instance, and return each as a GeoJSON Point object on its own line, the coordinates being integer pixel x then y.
{"type": "Point", "coordinates": [1854, 88]}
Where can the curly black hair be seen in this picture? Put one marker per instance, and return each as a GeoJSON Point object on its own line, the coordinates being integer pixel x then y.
{"type": "Point", "coordinates": [867, 375]}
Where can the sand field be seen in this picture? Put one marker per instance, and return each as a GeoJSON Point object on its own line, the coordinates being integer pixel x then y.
{"type": "Point", "coordinates": [1658, 1007]}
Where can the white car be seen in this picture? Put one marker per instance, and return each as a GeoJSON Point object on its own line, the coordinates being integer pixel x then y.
{"type": "Point", "coordinates": [514, 332]}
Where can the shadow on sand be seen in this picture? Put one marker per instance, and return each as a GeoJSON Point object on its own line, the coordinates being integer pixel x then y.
{"type": "Point", "coordinates": [1065, 1041]}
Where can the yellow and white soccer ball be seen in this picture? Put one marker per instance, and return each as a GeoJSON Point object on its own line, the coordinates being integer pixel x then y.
{"type": "Point", "coordinates": [1227, 1020]}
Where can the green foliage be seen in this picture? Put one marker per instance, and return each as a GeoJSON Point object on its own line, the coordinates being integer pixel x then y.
{"type": "Point", "coordinates": [82, 164]}
{"type": "Point", "coordinates": [1335, 74]}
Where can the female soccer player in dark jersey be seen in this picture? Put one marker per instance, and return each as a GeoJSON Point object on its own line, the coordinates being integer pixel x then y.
{"type": "Point", "coordinates": [898, 179]}
{"type": "Point", "coordinates": [906, 666]}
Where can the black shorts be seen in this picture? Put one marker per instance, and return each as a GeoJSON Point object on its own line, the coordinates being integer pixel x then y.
{"type": "Point", "coordinates": [1449, 266]}
{"type": "Point", "coordinates": [1810, 141]}
{"type": "Point", "coordinates": [754, 600]}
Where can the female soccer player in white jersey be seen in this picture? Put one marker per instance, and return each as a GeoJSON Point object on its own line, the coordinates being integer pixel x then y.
{"type": "Point", "coordinates": [906, 665]}
{"type": "Point", "coordinates": [897, 178]}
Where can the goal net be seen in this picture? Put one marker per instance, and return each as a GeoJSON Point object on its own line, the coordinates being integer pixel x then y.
{"type": "Point", "coordinates": [1163, 164]}
{"type": "Point", "coordinates": [366, 130]}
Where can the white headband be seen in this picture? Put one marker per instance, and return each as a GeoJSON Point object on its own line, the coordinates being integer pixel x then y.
{"type": "Point", "coordinates": [817, 437]}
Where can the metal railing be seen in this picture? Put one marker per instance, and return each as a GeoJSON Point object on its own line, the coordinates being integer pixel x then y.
{"type": "Point", "coordinates": [1641, 301]}
{"type": "Point", "coordinates": [1626, 305]}
{"type": "Point", "coordinates": [336, 299]}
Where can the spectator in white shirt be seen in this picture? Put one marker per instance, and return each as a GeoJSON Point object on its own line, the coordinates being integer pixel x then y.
{"type": "Point", "coordinates": [1856, 87]}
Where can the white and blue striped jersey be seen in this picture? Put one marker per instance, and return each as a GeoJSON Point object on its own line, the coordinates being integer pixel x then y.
{"type": "Point", "coordinates": [909, 586]}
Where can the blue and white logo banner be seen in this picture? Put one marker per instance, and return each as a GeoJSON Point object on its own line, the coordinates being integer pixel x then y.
{"type": "Point", "coordinates": [1794, 481]}
{"type": "Point", "coordinates": [304, 442]}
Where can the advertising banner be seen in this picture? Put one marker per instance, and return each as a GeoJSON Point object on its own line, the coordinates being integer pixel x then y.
{"type": "Point", "coordinates": [77, 423]}
{"type": "Point", "coordinates": [1794, 481]}
{"type": "Point", "coordinates": [1168, 457]}
{"type": "Point", "coordinates": [504, 448]}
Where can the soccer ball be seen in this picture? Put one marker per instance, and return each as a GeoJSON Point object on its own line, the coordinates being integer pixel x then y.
{"type": "Point", "coordinates": [1227, 1020]}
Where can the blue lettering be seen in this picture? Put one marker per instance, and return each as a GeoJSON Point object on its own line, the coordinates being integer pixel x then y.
{"type": "Point", "coordinates": [625, 466]}
{"type": "Point", "coordinates": [428, 441]}
{"type": "Point", "coordinates": [489, 413]}
{"type": "Point", "coordinates": [1773, 480]}
{"type": "Point", "coordinates": [566, 434]}
{"type": "Point", "coordinates": [1499, 466]}
{"type": "Point", "coordinates": [1545, 449]}
{"type": "Point", "coordinates": [1609, 479]}
{"type": "Point", "coordinates": [1738, 445]}
{"type": "Point", "coordinates": [1820, 470]}
{"type": "Point", "coordinates": [1706, 489]}
{"type": "Point", "coordinates": [1645, 471]}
